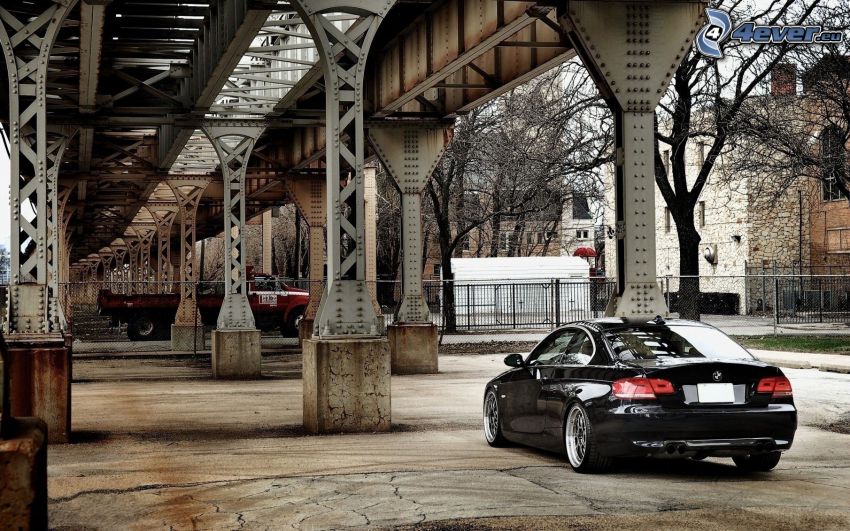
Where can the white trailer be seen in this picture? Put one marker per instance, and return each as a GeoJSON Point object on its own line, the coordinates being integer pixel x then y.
{"type": "Point", "coordinates": [523, 292]}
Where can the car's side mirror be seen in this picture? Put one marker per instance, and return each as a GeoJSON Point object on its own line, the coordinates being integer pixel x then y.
{"type": "Point", "coordinates": [514, 360]}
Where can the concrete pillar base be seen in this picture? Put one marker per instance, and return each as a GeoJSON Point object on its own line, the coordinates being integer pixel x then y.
{"type": "Point", "coordinates": [23, 469]}
{"type": "Point", "coordinates": [346, 385]}
{"type": "Point", "coordinates": [236, 354]}
{"type": "Point", "coordinates": [40, 382]}
{"type": "Point", "coordinates": [305, 331]}
{"type": "Point", "coordinates": [182, 337]}
{"type": "Point", "coordinates": [413, 348]}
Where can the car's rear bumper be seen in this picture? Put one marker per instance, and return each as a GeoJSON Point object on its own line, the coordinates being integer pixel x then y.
{"type": "Point", "coordinates": [651, 430]}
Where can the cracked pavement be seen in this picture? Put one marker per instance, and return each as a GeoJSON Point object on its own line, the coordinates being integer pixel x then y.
{"type": "Point", "coordinates": [152, 452]}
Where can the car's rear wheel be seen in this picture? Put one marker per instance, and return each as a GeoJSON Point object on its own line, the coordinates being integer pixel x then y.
{"type": "Point", "coordinates": [580, 442]}
{"type": "Point", "coordinates": [142, 328]}
{"type": "Point", "coordinates": [758, 462]}
{"type": "Point", "coordinates": [492, 421]}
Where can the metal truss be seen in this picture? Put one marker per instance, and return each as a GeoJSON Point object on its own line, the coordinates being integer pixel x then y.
{"type": "Point", "coordinates": [234, 145]}
{"type": "Point", "coordinates": [27, 45]}
{"type": "Point", "coordinates": [188, 193]}
{"type": "Point", "coordinates": [163, 216]}
{"type": "Point", "coordinates": [346, 307]}
{"type": "Point", "coordinates": [410, 154]}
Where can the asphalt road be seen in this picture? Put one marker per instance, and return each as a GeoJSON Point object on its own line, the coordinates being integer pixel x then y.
{"type": "Point", "coordinates": [159, 445]}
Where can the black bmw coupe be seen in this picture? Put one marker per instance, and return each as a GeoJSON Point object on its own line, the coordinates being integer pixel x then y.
{"type": "Point", "coordinates": [609, 388]}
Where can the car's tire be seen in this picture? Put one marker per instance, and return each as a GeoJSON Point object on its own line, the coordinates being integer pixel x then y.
{"type": "Point", "coordinates": [580, 442]}
{"type": "Point", "coordinates": [493, 421]}
{"type": "Point", "coordinates": [142, 327]}
{"type": "Point", "coordinates": [290, 328]}
{"type": "Point", "coordinates": [758, 462]}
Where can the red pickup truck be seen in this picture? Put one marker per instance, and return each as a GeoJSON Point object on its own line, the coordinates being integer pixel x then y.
{"type": "Point", "coordinates": [149, 316]}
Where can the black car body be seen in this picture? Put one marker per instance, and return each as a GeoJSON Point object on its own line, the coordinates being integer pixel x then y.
{"type": "Point", "coordinates": [671, 388]}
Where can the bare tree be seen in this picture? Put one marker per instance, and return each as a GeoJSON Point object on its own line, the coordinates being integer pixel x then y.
{"type": "Point", "coordinates": [513, 161]}
{"type": "Point", "coordinates": [704, 105]}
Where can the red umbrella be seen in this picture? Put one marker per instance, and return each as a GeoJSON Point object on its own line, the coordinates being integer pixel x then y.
{"type": "Point", "coordinates": [585, 252]}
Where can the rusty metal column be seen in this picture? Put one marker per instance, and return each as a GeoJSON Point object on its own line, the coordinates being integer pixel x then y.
{"type": "Point", "coordinates": [187, 332]}
{"type": "Point", "coordinates": [633, 49]}
{"type": "Point", "coordinates": [163, 216]}
{"type": "Point", "coordinates": [346, 365]}
{"type": "Point", "coordinates": [410, 154]}
{"type": "Point", "coordinates": [236, 349]}
{"type": "Point", "coordinates": [309, 197]}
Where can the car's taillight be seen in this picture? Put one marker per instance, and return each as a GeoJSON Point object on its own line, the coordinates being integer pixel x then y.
{"type": "Point", "coordinates": [641, 388]}
{"type": "Point", "coordinates": [777, 386]}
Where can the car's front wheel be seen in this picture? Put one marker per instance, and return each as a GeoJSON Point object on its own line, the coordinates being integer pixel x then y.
{"type": "Point", "coordinates": [758, 462]}
{"type": "Point", "coordinates": [580, 442]}
{"type": "Point", "coordinates": [492, 421]}
{"type": "Point", "coordinates": [142, 328]}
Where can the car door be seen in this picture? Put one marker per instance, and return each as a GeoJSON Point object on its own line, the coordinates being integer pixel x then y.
{"type": "Point", "coordinates": [521, 391]}
{"type": "Point", "coordinates": [582, 365]}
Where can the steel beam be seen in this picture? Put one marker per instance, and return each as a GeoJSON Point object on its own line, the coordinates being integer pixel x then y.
{"type": "Point", "coordinates": [233, 145]}
{"type": "Point", "coordinates": [632, 49]}
{"type": "Point", "coordinates": [226, 36]}
{"type": "Point", "coordinates": [410, 155]}
{"type": "Point", "coordinates": [309, 197]}
{"type": "Point", "coordinates": [27, 46]}
{"type": "Point", "coordinates": [345, 309]}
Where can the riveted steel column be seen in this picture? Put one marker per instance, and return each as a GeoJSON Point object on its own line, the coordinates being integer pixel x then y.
{"type": "Point", "coordinates": [26, 47]}
{"type": "Point", "coordinates": [188, 194]}
{"type": "Point", "coordinates": [309, 196]}
{"type": "Point", "coordinates": [233, 145]}
{"type": "Point", "coordinates": [632, 49]}
{"type": "Point", "coordinates": [163, 216]}
{"type": "Point", "coordinates": [346, 308]}
{"type": "Point", "coordinates": [410, 155]}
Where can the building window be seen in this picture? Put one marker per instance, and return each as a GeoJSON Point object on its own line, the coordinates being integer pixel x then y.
{"type": "Point", "coordinates": [437, 270]}
{"type": "Point", "coordinates": [529, 238]}
{"type": "Point", "coordinates": [701, 212]}
{"type": "Point", "coordinates": [838, 240]}
{"type": "Point", "coordinates": [582, 234]}
{"type": "Point", "coordinates": [833, 163]}
{"type": "Point", "coordinates": [505, 241]}
{"type": "Point", "coordinates": [666, 219]}
{"type": "Point", "coordinates": [464, 243]}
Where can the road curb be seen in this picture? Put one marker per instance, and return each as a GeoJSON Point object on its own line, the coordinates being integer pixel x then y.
{"type": "Point", "coordinates": [788, 364]}
{"type": "Point", "coordinates": [843, 369]}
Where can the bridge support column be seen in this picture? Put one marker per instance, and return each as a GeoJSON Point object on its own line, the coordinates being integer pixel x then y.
{"type": "Point", "coordinates": [409, 155]}
{"type": "Point", "coordinates": [347, 362]}
{"type": "Point", "coordinates": [39, 358]}
{"type": "Point", "coordinates": [309, 197]}
{"type": "Point", "coordinates": [632, 50]}
{"type": "Point", "coordinates": [187, 332]}
{"type": "Point", "coordinates": [163, 216]}
{"type": "Point", "coordinates": [236, 349]}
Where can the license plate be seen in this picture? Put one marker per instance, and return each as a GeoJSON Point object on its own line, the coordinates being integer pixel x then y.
{"type": "Point", "coordinates": [716, 393]}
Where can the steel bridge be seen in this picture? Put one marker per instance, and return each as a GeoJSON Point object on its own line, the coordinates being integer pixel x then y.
{"type": "Point", "coordinates": [138, 126]}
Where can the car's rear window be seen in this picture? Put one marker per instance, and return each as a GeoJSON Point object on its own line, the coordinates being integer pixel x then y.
{"type": "Point", "coordinates": [643, 342]}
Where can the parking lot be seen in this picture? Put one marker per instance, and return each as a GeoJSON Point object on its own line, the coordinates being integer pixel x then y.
{"type": "Point", "coordinates": [159, 445]}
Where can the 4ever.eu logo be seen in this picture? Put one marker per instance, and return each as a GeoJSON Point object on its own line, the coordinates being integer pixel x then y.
{"type": "Point", "coordinates": [710, 39]}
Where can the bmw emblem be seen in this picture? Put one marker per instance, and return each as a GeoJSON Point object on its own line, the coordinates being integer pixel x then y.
{"type": "Point", "coordinates": [717, 376]}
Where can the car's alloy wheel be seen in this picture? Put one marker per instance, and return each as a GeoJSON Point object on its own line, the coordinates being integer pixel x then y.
{"type": "Point", "coordinates": [582, 451]}
{"type": "Point", "coordinates": [576, 436]}
{"type": "Point", "coordinates": [492, 422]}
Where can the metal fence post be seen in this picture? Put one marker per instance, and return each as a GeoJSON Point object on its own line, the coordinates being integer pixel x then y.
{"type": "Point", "coordinates": [557, 302]}
{"type": "Point", "coordinates": [513, 304]}
{"type": "Point", "coordinates": [775, 302]}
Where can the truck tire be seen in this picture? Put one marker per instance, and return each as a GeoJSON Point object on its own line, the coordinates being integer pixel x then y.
{"type": "Point", "coordinates": [290, 329]}
{"type": "Point", "coordinates": [143, 327]}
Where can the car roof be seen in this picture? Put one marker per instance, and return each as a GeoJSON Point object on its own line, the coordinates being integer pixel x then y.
{"type": "Point", "coordinates": [602, 324]}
